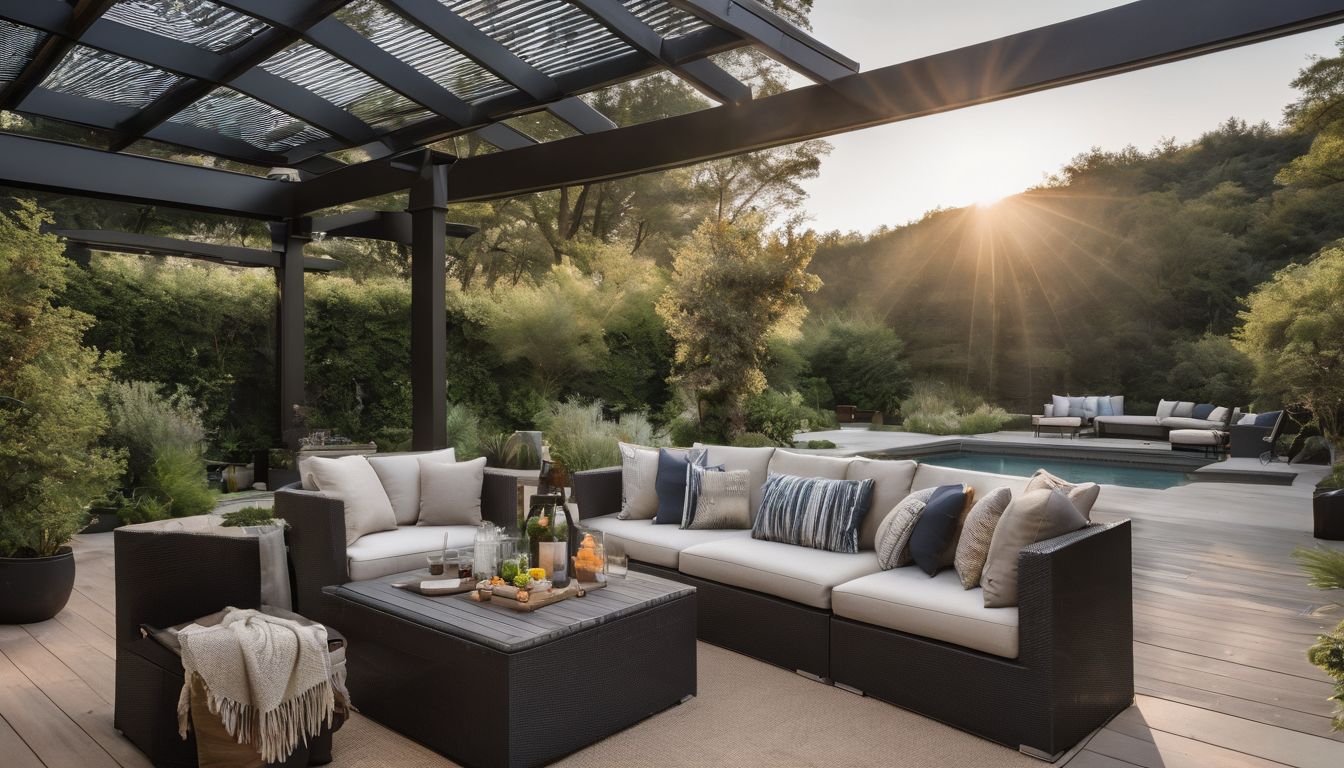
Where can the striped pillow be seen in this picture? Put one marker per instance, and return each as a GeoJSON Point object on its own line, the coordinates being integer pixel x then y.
{"type": "Point", "coordinates": [813, 512]}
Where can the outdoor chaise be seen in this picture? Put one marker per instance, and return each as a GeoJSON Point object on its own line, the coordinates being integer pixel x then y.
{"type": "Point", "coordinates": [1170, 415]}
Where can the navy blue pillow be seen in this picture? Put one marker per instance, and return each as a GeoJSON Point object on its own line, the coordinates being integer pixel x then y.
{"type": "Point", "coordinates": [1267, 419]}
{"type": "Point", "coordinates": [1203, 410]}
{"type": "Point", "coordinates": [936, 526]}
{"type": "Point", "coordinates": [670, 484]}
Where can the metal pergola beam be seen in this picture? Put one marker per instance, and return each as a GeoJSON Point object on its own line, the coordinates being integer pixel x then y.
{"type": "Point", "coordinates": [68, 169]}
{"type": "Point", "coordinates": [392, 226]}
{"type": "Point", "coordinates": [702, 74]}
{"type": "Point", "coordinates": [365, 180]}
{"type": "Point", "coordinates": [153, 245]}
{"type": "Point", "coordinates": [1114, 41]}
{"type": "Point", "coordinates": [762, 26]}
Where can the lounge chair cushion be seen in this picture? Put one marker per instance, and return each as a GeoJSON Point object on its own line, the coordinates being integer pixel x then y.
{"type": "Point", "coordinates": [906, 600]}
{"type": "Point", "coordinates": [1091, 406]}
{"type": "Point", "coordinates": [1196, 437]}
{"type": "Point", "coordinates": [403, 548]}
{"type": "Point", "coordinates": [1117, 405]}
{"type": "Point", "coordinates": [800, 574]}
{"type": "Point", "coordinates": [1076, 407]}
{"type": "Point", "coordinates": [656, 544]}
{"type": "Point", "coordinates": [400, 476]}
{"type": "Point", "coordinates": [1059, 406]}
{"type": "Point", "coordinates": [1181, 422]}
{"type": "Point", "coordinates": [891, 483]}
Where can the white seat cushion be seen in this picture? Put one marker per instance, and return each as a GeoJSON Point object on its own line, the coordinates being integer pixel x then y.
{"type": "Point", "coordinates": [1136, 421]}
{"type": "Point", "coordinates": [1059, 421]}
{"type": "Point", "coordinates": [932, 475]}
{"type": "Point", "coordinates": [800, 574]}
{"type": "Point", "coordinates": [1179, 422]}
{"type": "Point", "coordinates": [907, 600]}
{"type": "Point", "coordinates": [403, 548]}
{"type": "Point", "coordinates": [656, 544]}
{"type": "Point", "coordinates": [1195, 437]}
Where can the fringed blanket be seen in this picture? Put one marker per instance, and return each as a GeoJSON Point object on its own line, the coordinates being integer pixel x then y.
{"type": "Point", "coordinates": [268, 679]}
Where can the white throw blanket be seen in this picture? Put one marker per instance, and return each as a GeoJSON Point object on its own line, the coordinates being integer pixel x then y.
{"type": "Point", "coordinates": [268, 679]}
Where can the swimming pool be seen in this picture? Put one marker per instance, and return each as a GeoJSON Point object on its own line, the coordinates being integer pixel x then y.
{"type": "Point", "coordinates": [1073, 470]}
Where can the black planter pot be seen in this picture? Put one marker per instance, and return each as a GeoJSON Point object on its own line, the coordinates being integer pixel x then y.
{"type": "Point", "coordinates": [1327, 511]}
{"type": "Point", "coordinates": [34, 589]}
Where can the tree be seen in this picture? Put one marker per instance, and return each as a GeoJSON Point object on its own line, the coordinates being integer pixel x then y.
{"type": "Point", "coordinates": [863, 362]}
{"type": "Point", "coordinates": [731, 286]}
{"type": "Point", "coordinates": [1293, 331]}
{"type": "Point", "coordinates": [50, 464]}
{"type": "Point", "coordinates": [1319, 111]}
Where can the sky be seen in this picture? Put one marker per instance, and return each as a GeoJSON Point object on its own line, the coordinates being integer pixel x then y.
{"type": "Point", "coordinates": [893, 174]}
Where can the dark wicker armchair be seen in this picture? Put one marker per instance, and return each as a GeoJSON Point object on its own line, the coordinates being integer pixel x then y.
{"type": "Point", "coordinates": [165, 578]}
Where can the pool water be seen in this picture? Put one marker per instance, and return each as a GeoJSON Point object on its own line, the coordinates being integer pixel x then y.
{"type": "Point", "coordinates": [1075, 471]}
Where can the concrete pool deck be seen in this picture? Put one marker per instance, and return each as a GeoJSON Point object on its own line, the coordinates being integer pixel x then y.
{"type": "Point", "coordinates": [862, 441]}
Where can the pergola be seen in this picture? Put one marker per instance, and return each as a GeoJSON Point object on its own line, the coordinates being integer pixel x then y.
{"type": "Point", "coordinates": [340, 100]}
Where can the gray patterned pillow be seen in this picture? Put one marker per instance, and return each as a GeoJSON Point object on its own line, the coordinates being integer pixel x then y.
{"type": "Point", "coordinates": [813, 512]}
{"type": "Point", "coordinates": [721, 499]}
{"type": "Point", "coordinates": [977, 533]}
{"type": "Point", "coordinates": [893, 537]}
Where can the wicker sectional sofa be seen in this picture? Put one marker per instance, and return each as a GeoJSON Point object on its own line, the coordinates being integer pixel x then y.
{"type": "Point", "coordinates": [1037, 677]}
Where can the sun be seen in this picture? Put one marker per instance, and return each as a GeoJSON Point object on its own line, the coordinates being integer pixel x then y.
{"type": "Point", "coordinates": [989, 200]}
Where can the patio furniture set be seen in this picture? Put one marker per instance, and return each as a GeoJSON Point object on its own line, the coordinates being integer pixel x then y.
{"type": "Point", "coordinates": [1036, 674]}
{"type": "Point", "coordinates": [1210, 428]}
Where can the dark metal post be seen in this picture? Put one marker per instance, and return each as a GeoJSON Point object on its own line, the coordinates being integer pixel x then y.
{"type": "Point", "coordinates": [287, 241]}
{"type": "Point", "coordinates": [429, 366]}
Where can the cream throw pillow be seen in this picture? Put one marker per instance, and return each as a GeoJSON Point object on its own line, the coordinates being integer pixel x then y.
{"type": "Point", "coordinates": [639, 475]}
{"type": "Point", "coordinates": [1034, 516]}
{"type": "Point", "coordinates": [450, 494]}
{"type": "Point", "coordinates": [352, 480]}
{"type": "Point", "coordinates": [893, 536]}
{"type": "Point", "coordinates": [400, 476]}
{"type": "Point", "coordinates": [976, 535]}
{"type": "Point", "coordinates": [1083, 495]}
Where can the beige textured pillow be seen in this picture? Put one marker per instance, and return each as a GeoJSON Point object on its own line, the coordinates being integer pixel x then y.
{"type": "Point", "coordinates": [893, 535]}
{"type": "Point", "coordinates": [1034, 516]}
{"type": "Point", "coordinates": [724, 500]}
{"type": "Point", "coordinates": [352, 480]}
{"type": "Point", "coordinates": [400, 476]}
{"type": "Point", "coordinates": [450, 494]}
{"type": "Point", "coordinates": [639, 475]}
{"type": "Point", "coordinates": [1083, 495]}
{"type": "Point", "coordinates": [976, 535]}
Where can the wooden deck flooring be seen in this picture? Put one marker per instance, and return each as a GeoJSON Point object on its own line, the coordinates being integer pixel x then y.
{"type": "Point", "coordinates": [1222, 621]}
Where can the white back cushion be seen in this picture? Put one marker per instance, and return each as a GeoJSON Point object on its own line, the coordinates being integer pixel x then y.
{"type": "Point", "coordinates": [400, 476]}
{"type": "Point", "coordinates": [755, 460]}
{"type": "Point", "coordinates": [932, 475]}
{"type": "Point", "coordinates": [891, 484]}
{"type": "Point", "coordinates": [352, 480]}
{"type": "Point", "coordinates": [808, 465]}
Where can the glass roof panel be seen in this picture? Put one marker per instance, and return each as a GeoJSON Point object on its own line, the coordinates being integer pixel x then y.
{"type": "Point", "coordinates": [551, 35]}
{"type": "Point", "coordinates": [667, 20]}
{"type": "Point", "coordinates": [99, 75]}
{"type": "Point", "coordinates": [197, 22]}
{"type": "Point", "coordinates": [17, 46]}
{"type": "Point", "coordinates": [232, 114]}
{"type": "Point", "coordinates": [345, 86]}
{"type": "Point", "coordinates": [441, 63]}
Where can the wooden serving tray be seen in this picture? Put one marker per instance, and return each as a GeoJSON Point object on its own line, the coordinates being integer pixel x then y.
{"type": "Point", "coordinates": [506, 596]}
{"type": "Point", "coordinates": [420, 581]}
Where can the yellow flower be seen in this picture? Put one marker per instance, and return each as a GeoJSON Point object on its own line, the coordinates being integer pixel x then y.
{"type": "Point", "coordinates": [537, 574]}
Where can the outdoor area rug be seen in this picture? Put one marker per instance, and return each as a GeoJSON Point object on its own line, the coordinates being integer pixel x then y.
{"type": "Point", "coordinates": [747, 713]}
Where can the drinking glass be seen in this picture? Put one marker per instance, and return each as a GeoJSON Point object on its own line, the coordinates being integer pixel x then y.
{"type": "Point", "coordinates": [617, 565]}
{"type": "Point", "coordinates": [435, 563]}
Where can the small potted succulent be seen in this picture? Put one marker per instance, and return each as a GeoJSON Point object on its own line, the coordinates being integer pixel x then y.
{"type": "Point", "coordinates": [1327, 506]}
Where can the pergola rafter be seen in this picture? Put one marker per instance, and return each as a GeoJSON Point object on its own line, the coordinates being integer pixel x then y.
{"type": "Point", "coordinates": [81, 16]}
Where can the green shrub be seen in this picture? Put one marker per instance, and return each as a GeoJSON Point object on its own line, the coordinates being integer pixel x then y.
{"type": "Point", "coordinates": [819, 444]}
{"type": "Point", "coordinates": [464, 431]}
{"type": "Point", "coordinates": [754, 440]}
{"type": "Point", "coordinates": [143, 422]}
{"type": "Point", "coordinates": [1333, 480]}
{"type": "Point", "coordinates": [251, 516]}
{"type": "Point", "coordinates": [1325, 567]}
{"type": "Point", "coordinates": [684, 432]}
{"type": "Point", "coordinates": [179, 475]}
{"type": "Point", "coordinates": [781, 415]}
{"type": "Point", "coordinates": [935, 409]}
{"type": "Point", "coordinates": [862, 362]}
{"type": "Point", "coordinates": [578, 436]}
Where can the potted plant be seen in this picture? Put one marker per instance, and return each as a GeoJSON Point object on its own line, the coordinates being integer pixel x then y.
{"type": "Point", "coordinates": [1326, 569]}
{"type": "Point", "coordinates": [51, 420]}
{"type": "Point", "coordinates": [1327, 506]}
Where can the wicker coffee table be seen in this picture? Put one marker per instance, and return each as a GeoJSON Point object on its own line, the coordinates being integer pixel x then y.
{"type": "Point", "coordinates": [489, 686]}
